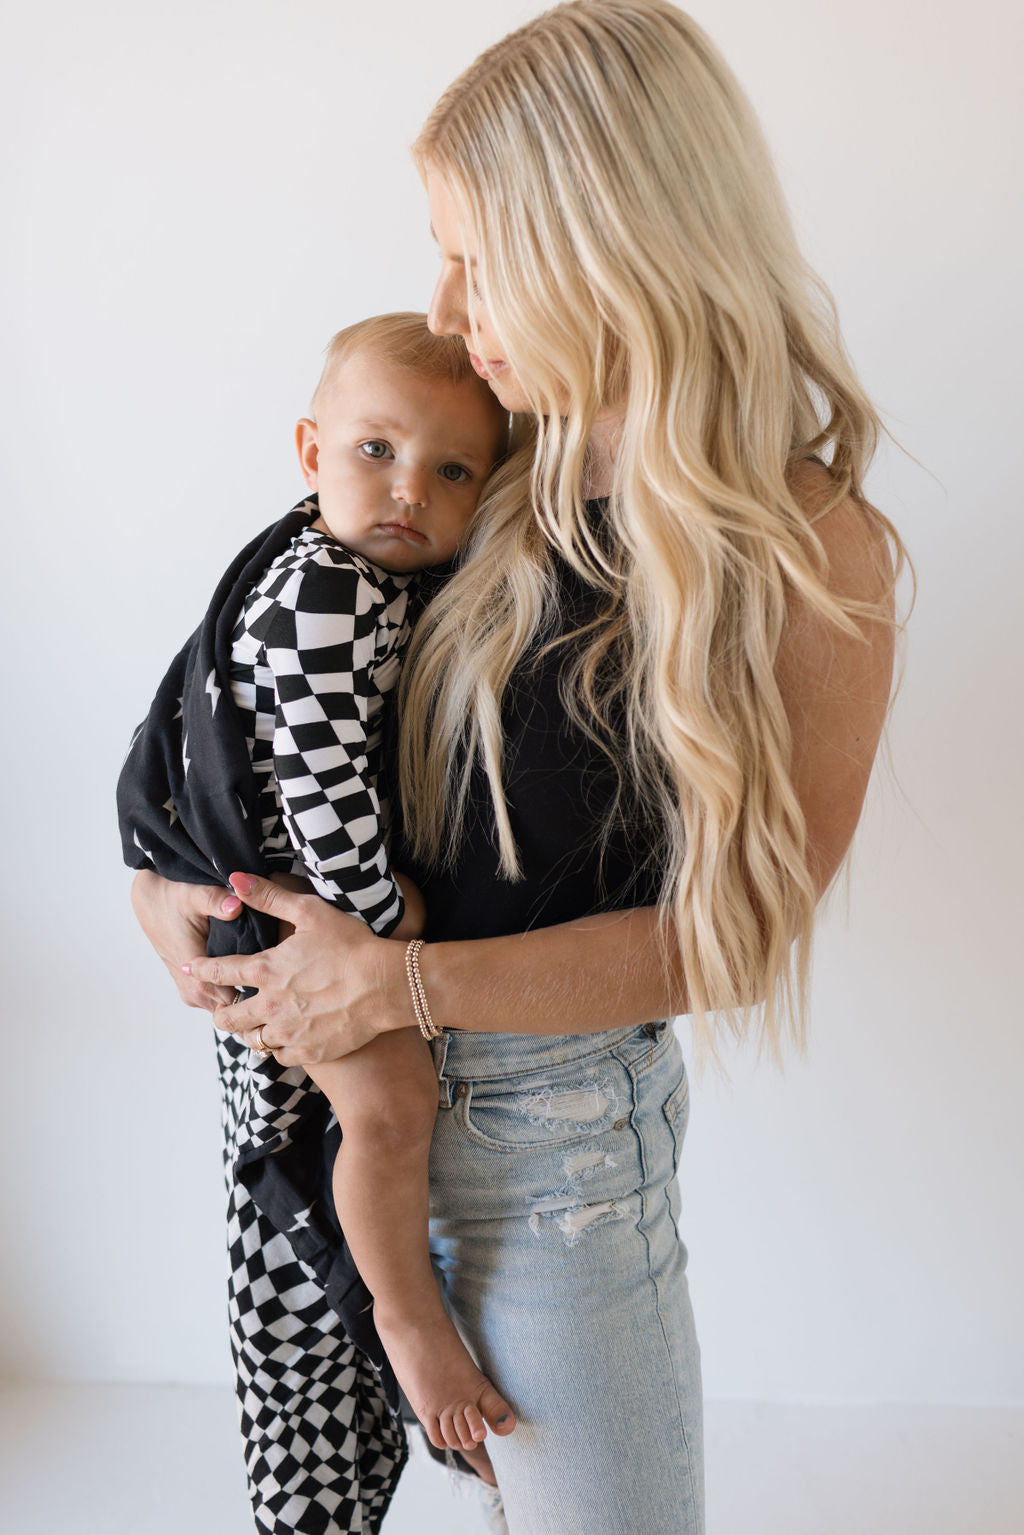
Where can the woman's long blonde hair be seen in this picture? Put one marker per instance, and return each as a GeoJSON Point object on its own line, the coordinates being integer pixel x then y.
{"type": "Point", "coordinates": [635, 252]}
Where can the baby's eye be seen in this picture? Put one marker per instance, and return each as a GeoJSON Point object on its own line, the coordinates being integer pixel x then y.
{"type": "Point", "coordinates": [374, 448]}
{"type": "Point", "coordinates": [454, 473]}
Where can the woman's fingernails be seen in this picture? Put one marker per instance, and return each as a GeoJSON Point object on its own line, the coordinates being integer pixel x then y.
{"type": "Point", "coordinates": [186, 969]}
{"type": "Point", "coordinates": [243, 883]}
{"type": "Point", "coordinates": [231, 904]}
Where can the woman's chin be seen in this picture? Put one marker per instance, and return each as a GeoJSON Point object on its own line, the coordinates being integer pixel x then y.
{"type": "Point", "coordinates": [506, 388]}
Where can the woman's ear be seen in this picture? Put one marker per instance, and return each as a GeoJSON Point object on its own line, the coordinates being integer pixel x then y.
{"type": "Point", "coordinates": [309, 451]}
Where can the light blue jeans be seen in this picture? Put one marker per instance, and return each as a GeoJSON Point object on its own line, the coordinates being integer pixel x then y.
{"type": "Point", "coordinates": [554, 1212]}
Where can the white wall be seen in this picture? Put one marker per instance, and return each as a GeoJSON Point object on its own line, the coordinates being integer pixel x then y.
{"type": "Point", "coordinates": [197, 196]}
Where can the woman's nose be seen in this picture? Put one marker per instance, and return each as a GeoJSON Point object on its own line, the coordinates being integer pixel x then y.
{"type": "Point", "coordinates": [447, 313]}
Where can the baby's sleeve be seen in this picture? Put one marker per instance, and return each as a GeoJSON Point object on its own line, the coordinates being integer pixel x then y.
{"type": "Point", "coordinates": [320, 647]}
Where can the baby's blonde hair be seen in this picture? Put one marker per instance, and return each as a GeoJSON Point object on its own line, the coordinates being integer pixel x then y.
{"type": "Point", "coordinates": [403, 339]}
{"type": "Point", "coordinates": [635, 251]}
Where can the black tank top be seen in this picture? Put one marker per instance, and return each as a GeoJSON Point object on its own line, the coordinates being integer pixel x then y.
{"type": "Point", "coordinates": [559, 785]}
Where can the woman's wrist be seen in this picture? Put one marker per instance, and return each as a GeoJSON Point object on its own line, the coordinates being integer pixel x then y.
{"type": "Point", "coordinates": [398, 1007]}
{"type": "Point", "coordinates": [417, 991]}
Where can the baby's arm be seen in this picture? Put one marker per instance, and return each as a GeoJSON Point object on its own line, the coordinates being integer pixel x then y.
{"type": "Point", "coordinates": [321, 647]}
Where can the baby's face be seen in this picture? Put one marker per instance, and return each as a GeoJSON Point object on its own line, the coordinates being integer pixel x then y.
{"type": "Point", "coordinates": [399, 460]}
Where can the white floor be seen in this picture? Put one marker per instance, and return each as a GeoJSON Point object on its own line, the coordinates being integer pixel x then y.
{"type": "Point", "coordinates": [163, 1460]}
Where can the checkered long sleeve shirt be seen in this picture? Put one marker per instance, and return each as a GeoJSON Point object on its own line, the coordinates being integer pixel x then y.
{"type": "Point", "coordinates": [314, 653]}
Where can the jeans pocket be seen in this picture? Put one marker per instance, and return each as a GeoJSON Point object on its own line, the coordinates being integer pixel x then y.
{"type": "Point", "coordinates": [676, 1110]}
{"type": "Point", "coordinates": [546, 1108]}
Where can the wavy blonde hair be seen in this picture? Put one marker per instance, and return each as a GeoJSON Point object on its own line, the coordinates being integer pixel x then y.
{"type": "Point", "coordinates": [635, 252]}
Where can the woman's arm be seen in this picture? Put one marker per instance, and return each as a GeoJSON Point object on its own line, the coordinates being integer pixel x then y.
{"type": "Point", "coordinates": [332, 987]}
{"type": "Point", "coordinates": [836, 687]}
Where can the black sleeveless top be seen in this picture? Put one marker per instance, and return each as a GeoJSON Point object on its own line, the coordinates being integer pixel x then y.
{"type": "Point", "coordinates": [559, 786]}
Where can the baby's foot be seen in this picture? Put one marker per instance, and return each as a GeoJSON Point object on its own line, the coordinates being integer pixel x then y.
{"type": "Point", "coordinates": [481, 1464]}
{"type": "Point", "coordinates": [453, 1400]}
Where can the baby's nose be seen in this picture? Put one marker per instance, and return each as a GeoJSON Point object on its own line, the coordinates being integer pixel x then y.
{"type": "Point", "coordinates": [410, 485]}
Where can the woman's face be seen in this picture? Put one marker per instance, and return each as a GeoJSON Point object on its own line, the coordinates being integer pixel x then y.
{"type": "Point", "coordinates": [456, 296]}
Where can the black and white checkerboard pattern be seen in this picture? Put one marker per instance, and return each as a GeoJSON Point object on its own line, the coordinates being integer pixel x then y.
{"type": "Point", "coordinates": [323, 1452]}
{"type": "Point", "coordinates": [315, 651]}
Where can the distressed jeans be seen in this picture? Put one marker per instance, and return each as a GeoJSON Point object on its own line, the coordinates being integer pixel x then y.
{"type": "Point", "coordinates": [554, 1211]}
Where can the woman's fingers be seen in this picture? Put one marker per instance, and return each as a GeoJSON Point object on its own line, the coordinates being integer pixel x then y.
{"type": "Point", "coordinates": [283, 1054]}
{"type": "Point", "coordinates": [265, 895]}
{"type": "Point", "coordinates": [153, 896]}
{"type": "Point", "coordinates": [209, 901]}
{"type": "Point", "coordinates": [230, 971]}
{"type": "Point", "coordinates": [208, 998]}
{"type": "Point", "coordinates": [241, 1016]}
{"type": "Point", "coordinates": [261, 1037]}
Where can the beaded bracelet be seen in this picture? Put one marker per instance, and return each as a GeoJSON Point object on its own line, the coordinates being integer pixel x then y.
{"type": "Point", "coordinates": [428, 1028]}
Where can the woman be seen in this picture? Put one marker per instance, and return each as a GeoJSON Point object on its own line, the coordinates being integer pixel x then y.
{"type": "Point", "coordinates": [647, 705]}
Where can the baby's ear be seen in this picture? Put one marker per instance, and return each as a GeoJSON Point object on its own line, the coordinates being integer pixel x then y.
{"type": "Point", "coordinates": [308, 446]}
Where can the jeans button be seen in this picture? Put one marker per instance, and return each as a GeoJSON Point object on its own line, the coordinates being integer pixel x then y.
{"type": "Point", "coordinates": [620, 1124]}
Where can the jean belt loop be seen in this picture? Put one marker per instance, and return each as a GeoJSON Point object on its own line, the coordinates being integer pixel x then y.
{"type": "Point", "coordinates": [439, 1048]}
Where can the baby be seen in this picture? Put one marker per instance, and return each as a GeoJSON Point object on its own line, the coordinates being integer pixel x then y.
{"type": "Point", "coordinates": [402, 439]}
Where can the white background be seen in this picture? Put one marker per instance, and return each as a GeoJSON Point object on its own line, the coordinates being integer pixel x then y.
{"type": "Point", "coordinates": [195, 198]}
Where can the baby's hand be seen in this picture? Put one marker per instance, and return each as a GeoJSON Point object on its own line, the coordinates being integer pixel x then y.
{"type": "Point", "coordinates": [415, 918]}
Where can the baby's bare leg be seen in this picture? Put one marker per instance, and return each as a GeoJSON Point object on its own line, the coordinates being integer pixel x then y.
{"type": "Point", "coordinates": [385, 1097]}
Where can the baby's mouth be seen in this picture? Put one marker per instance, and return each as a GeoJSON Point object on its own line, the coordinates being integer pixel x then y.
{"type": "Point", "coordinates": [402, 530]}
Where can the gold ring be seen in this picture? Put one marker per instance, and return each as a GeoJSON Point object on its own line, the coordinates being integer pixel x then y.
{"type": "Point", "coordinates": [261, 1047]}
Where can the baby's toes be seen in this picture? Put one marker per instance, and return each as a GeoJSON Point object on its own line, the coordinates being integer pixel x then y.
{"type": "Point", "coordinates": [435, 1431]}
{"type": "Point", "coordinates": [448, 1423]}
{"type": "Point", "coordinates": [496, 1411]}
{"type": "Point", "coordinates": [470, 1421]}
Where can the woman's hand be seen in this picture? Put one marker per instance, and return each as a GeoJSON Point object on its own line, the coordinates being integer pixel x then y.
{"type": "Point", "coordinates": [176, 920]}
{"type": "Point", "coordinates": [327, 990]}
